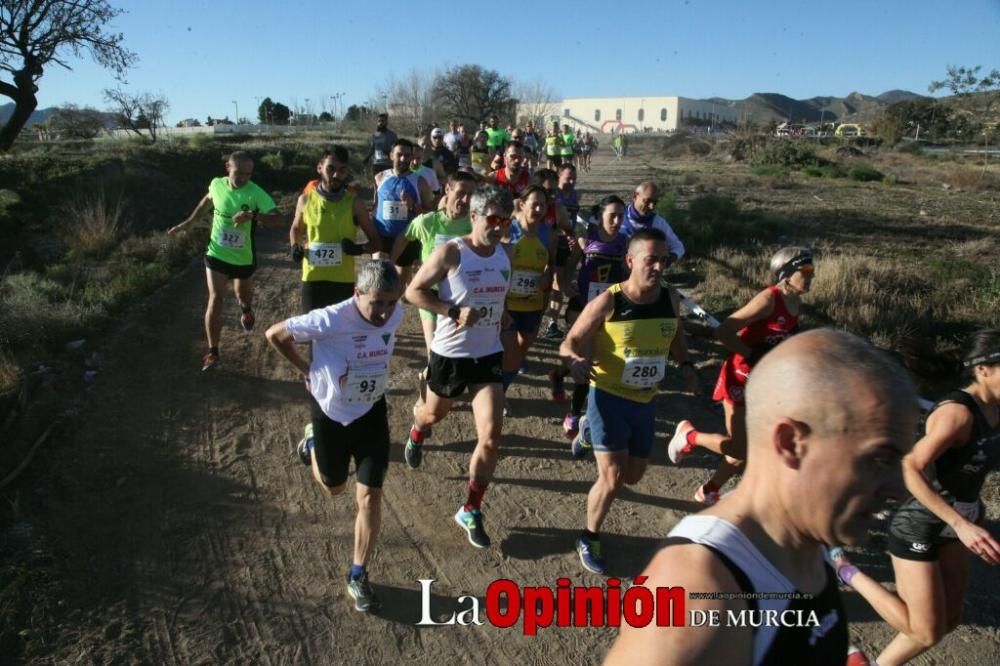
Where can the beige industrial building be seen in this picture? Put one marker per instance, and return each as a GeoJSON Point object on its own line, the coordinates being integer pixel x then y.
{"type": "Point", "coordinates": [635, 114]}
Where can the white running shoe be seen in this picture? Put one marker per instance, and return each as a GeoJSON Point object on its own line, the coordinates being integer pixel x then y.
{"type": "Point", "coordinates": [676, 449]}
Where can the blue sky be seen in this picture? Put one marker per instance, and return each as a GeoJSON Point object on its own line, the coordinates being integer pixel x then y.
{"type": "Point", "coordinates": [203, 56]}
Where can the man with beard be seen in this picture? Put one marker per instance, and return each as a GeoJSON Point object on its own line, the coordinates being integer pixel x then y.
{"type": "Point", "coordinates": [382, 141]}
{"type": "Point", "coordinates": [400, 195]}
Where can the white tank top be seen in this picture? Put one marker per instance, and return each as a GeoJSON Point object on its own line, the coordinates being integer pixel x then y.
{"type": "Point", "coordinates": [480, 283]}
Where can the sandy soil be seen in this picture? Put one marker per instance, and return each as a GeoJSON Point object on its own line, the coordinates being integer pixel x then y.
{"type": "Point", "coordinates": [183, 528]}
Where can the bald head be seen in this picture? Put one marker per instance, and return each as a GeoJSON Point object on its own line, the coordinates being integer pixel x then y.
{"type": "Point", "coordinates": [646, 187]}
{"type": "Point", "coordinates": [826, 378]}
{"type": "Point", "coordinates": [645, 197]}
{"type": "Point", "coordinates": [829, 418]}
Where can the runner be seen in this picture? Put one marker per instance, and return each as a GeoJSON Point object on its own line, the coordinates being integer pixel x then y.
{"type": "Point", "coordinates": [618, 144]}
{"type": "Point", "coordinates": [471, 274]}
{"type": "Point", "coordinates": [642, 213]}
{"type": "Point", "coordinates": [553, 146]}
{"type": "Point", "coordinates": [452, 136]}
{"type": "Point", "coordinates": [511, 175]}
{"type": "Point", "coordinates": [463, 149]}
{"type": "Point", "coordinates": [586, 148]}
{"type": "Point", "coordinates": [602, 249]}
{"type": "Point", "coordinates": [498, 137]}
{"type": "Point", "coordinates": [352, 343]}
{"type": "Point", "coordinates": [431, 231]}
{"type": "Point", "coordinates": [400, 195]}
{"type": "Point", "coordinates": [380, 145]}
{"type": "Point", "coordinates": [480, 154]}
{"type": "Point", "coordinates": [829, 418]}
{"type": "Point", "coordinates": [749, 333]}
{"type": "Point", "coordinates": [531, 143]}
{"type": "Point", "coordinates": [424, 165]}
{"type": "Point", "coordinates": [238, 204]}
{"type": "Point", "coordinates": [327, 217]}
{"type": "Point", "coordinates": [442, 153]}
{"type": "Point", "coordinates": [532, 257]}
{"type": "Point", "coordinates": [620, 344]}
{"type": "Point", "coordinates": [568, 150]}
{"type": "Point", "coordinates": [935, 532]}
{"type": "Point", "coordinates": [565, 195]}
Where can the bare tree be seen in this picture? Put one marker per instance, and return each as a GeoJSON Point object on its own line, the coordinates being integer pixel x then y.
{"type": "Point", "coordinates": [142, 111]}
{"type": "Point", "coordinates": [536, 101]}
{"type": "Point", "coordinates": [34, 33]}
{"type": "Point", "coordinates": [73, 122]}
{"type": "Point", "coordinates": [407, 99]}
{"type": "Point", "coordinates": [472, 93]}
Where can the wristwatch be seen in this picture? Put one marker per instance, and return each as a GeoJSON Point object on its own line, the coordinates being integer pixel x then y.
{"type": "Point", "coordinates": [454, 313]}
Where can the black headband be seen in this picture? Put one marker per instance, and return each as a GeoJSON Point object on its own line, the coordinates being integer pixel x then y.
{"type": "Point", "coordinates": [984, 359]}
{"type": "Point", "coordinates": [794, 264]}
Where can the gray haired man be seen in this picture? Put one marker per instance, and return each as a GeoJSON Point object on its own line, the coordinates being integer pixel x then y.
{"type": "Point", "coordinates": [352, 343]}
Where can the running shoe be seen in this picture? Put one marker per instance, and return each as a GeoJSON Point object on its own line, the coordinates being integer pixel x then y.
{"type": "Point", "coordinates": [209, 361]}
{"type": "Point", "coordinates": [472, 523]}
{"type": "Point", "coordinates": [365, 599]}
{"type": "Point", "coordinates": [571, 426]}
{"type": "Point", "coordinates": [678, 448]}
{"type": "Point", "coordinates": [856, 657]}
{"type": "Point", "coordinates": [553, 332]}
{"type": "Point", "coordinates": [581, 443]}
{"type": "Point", "coordinates": [305, 446]}
{"type": "Point", "coordinates": [558, 386]}
{"type": "Point", "coordinates": [707, 497]}
{"type": "Point", "coordinates": [414, 453]}
{"type": "Point", "coordinates": [247, 320]}
{"type": "Point", "coordinates": [589, 551]}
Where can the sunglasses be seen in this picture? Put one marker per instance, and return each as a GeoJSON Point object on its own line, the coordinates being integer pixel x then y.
{"type": "Point", "coordinates": [497, 221]}
{"type": "Point", "coordinates": [808, 268]}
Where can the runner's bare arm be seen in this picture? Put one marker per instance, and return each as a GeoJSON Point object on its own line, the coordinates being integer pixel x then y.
{"type": "Point", "coordinates": [203, 206]}
{"type": "Point", "coordinates": [363, 220]}
{"type": "Point", "coordinates": [281, 339]}
{"type": "Point", "coordinates": [947, 426]}
{"type": "Point", "coordinates": [678, 347]}
{"type": "Point", "coordinates": [427, 201]}
{"type": "Point", "coordinates": [760, 307]}
{"type": "Point", "coordinates": [695, 569]}
{"type": "Point", "coordinates": [398, 246]}
{"type": "Point", "coordinates": [297, 232]}
{"type": "Point", "coordinates": [272, 216]}
{"type": "Point", "coordinates": [579, 341]}
{"type": "Point", "coordinates": [435, 269]}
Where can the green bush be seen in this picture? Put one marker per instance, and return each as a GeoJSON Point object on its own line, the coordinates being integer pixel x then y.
{"type": "Point", "coordinates": [712, 220]}
{"type": "Point", "coordinates": [787, 153]}
{"type": "Point", "coordinates": [770, 171]}
{"type": "Point", "coordinates": [909, 147]}
{"type": "Point", "coordinates": [865, 173]}
{"type": "Point", "coordinates": [274, 161]}
{"type": "Point", "coordinates": [825, 171]}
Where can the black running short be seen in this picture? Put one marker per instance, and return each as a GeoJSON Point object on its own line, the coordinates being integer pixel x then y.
{"type": "Point", "coordinates": [917, 534]}
{"type": "Point", "coordinates": [366, 440]}
{"type": "Point", "coordinates": [321, 293]}
{"type": "Point", "coordinates": [449, 377]}
{"type": "Point", "coordinates": [409, 255]}
{"type": "Point", "coordinates": [231, 271]}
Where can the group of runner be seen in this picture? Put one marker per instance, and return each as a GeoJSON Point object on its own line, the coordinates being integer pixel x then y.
{"type": "Point", "coordinates": [819, 421]}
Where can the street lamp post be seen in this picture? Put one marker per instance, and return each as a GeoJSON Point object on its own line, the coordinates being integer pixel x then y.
{"type": "Point", "coordinates": [237, 121]}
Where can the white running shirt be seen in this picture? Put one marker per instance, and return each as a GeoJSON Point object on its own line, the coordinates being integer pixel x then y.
{"type": "Point", "coordinates": [480, 283]}
{"type": "Point", "coordinates": [350, 358]}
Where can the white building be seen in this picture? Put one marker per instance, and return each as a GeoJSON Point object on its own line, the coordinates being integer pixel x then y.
{"type": "Point", "coordinates": [638, 114]}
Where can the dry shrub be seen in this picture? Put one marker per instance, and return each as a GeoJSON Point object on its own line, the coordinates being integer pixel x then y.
{"type": "Point", "coordinates": [10, 375]}
{"type": "Point", "coordinates": [971, 179]}
{"type": "Point", "coordinates": [94, 225]}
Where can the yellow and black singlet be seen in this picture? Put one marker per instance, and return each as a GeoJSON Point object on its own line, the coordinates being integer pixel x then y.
{"type": "Point", "coordinates": [631, 347]}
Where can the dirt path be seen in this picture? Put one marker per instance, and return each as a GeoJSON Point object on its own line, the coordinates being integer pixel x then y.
{"type": "Point", "coordinates": [187, 530]}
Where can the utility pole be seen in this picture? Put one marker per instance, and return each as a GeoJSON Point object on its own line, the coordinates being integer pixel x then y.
{"type": "Point", "coordinates": [237, 120]}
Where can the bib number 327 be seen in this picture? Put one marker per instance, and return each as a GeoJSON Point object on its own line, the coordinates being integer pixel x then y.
{"type": "Point", "coordinates": [231, 238]}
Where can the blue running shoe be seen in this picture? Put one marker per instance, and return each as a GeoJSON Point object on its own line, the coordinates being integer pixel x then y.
{"type": "Point", "coordinates": [589, 551]}
{"type": "Point", "coordinates": [305, 445]}
{"type": "Point", "coordinates": [472, 523]}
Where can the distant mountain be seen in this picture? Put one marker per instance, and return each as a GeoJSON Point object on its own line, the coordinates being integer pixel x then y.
{"type": "Point", "coordinates": [37, 116]}
{"type": "Point", "coordinates": [856, 107]}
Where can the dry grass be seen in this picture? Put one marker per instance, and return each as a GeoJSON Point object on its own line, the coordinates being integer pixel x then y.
{"type": "Point", "coordinates": [891, 301]}
{"type": "Point", "coordinates": [10, 375]}
{"type": "Point", "coordinates": [94, 225]}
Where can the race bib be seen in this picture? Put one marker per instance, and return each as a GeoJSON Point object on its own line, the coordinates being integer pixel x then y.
{"type": "Point", "coordinates": [365, 383]}
{"type": "Point", "coordinates": [489, 308]}
{"type": "Point", "coordinates": [596, 289]}
{"type": "Point", "coordinates": [464, 161]}
{"type": "Point", "coordinates": [325, 254]}
{"type": "Point", "coordinates": [525, 283]}
{"type": "Point", "coordinates": [395, 210]}
{"type": "Point", "coordinates": [232, 238]}
{"type": "Point", "coordinates": [381, 156]}
{"type": "Point", "coordinates": [644, 372]}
